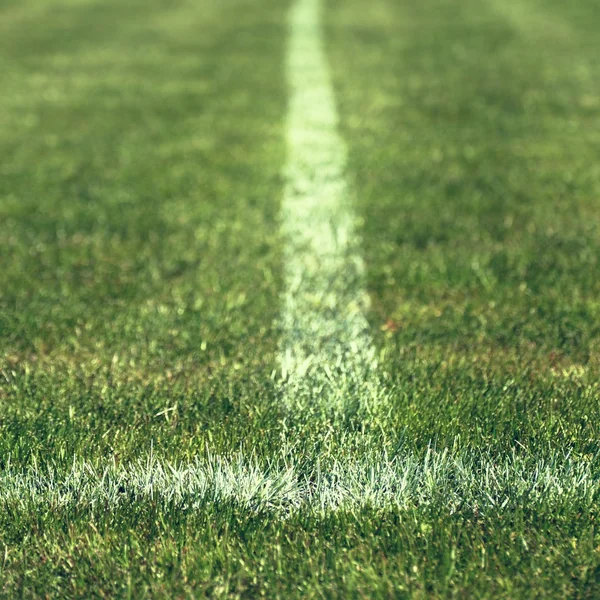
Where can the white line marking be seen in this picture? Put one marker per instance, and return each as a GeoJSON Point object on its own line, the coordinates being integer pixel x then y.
{"type": "Point", "coordinates": [326, 352]}
{"type": "Point", "coordinates": [462, 481]}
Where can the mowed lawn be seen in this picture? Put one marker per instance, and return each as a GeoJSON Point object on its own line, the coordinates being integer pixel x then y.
{"type": "Point", "coordinates": [145, 450]}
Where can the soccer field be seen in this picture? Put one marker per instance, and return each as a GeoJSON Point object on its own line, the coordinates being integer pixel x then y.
{"type": "Point", "coordinates": [299, 299]}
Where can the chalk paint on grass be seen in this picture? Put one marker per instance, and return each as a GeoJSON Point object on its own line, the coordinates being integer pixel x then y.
{"type": "Point", "coordinates": [327, 358]}
{"type": "Point", "coordinates": [459, 481]}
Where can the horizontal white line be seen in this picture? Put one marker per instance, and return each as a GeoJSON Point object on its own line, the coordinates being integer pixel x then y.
{"type": "Point", "coordinates": [452, 482]}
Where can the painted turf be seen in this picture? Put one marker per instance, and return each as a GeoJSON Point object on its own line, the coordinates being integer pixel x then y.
{"type": "Point", "coordinates": [326, 355]}
{"type": "Point", "coordinates": [463, 481]}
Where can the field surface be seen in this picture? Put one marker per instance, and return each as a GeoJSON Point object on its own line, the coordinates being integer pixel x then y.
{"type": "Point", "coordinates": [299, 299]}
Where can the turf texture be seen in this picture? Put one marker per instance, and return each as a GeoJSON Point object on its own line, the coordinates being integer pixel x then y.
{"type": "Point", "coordinates": [145, 450]}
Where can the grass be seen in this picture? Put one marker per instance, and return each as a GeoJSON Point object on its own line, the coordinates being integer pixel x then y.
{"type": "Point", "coordinates": [145, 449]}
{"type": "Point", "coordinates": [473, 145]}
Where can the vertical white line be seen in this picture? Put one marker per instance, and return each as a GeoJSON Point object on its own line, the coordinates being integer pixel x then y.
{"type": "Point", "coordinates": [326, 354]}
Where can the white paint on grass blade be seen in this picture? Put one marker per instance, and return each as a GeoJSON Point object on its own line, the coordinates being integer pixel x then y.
{"type": "Point", "coordinates": [326, 354]}
{"type": "Point", "coordinates": [462, 481]}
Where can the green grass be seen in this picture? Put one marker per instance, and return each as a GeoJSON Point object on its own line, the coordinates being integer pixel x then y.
{"type": "Point", "coordinates": [473, 148]}
{"type": "Point", "coordinates": [139, 210]}
{"type": "Point", "coordinates": [141, 152]}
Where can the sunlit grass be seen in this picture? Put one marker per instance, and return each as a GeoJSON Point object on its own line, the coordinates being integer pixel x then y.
{"type": "Point", "coordinates": [146, 447]}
